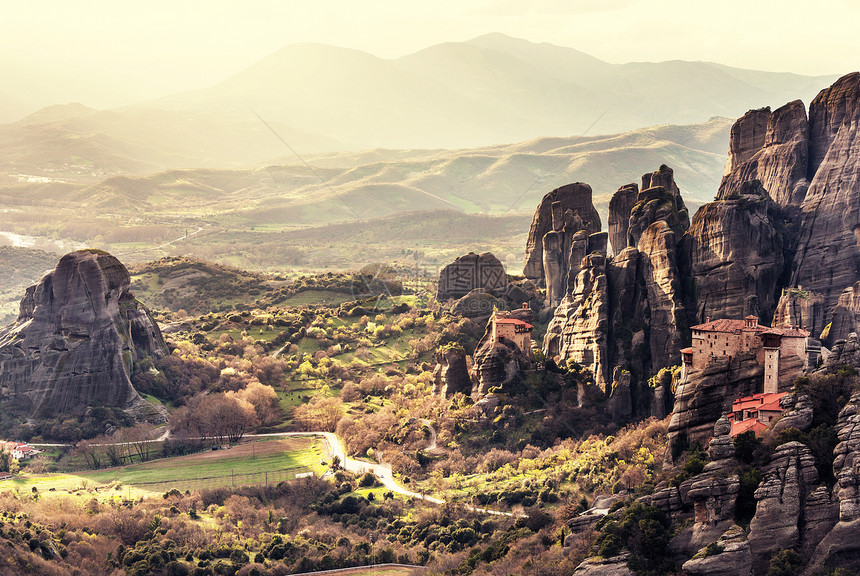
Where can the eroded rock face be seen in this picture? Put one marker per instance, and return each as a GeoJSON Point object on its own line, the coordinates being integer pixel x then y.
{"type": "Point", "coordinates": [781, 503]}
{"type": "Point", "coordinates": [828, 256]}
{"type": "Point", "coordinates": [620, 399]}
{"type": "Point", "coordinates": [580, 326]}
{"type": "Point", "coordinates": [734, 256]}
{"type": "Point", "coordinates": [733, 557]}
{"type": "Point", "coordinates": [77, 336]}
{"type": "Point", "coordinates": [708, 394]}
{"type": "Point", "coordinates": [668, 323]}
{"type": "Point", "coordinates": [797, 413]}
{"type": "Point", "coordinates": [797, 307]}
{"type": "Point", "coordinates": [477, 305]}
{"type": "Point", "coordinates": [665, 177]}
{"type": "Point", "coordinates": [626, 311]}
{"type": "Point", "coordinates": [575, 198]}
{"type": "Point", "coordinates": [495, 364]}
{"type": "Point", "coordinates": [657, 204]}
{"type": "Point", "coordinates": [599, 566]}
{"type": "Point", "coordinates": [451, 374]}
{"type": "Point", "coordinates": [846, 317]}
{"type": "Point", "coordinates": [470, 272]}
{"type": "Point", "coordinates": [841, 547]}
{"type": "Point", "coordinates": [845, 465]}
{"type": "Point", "coordinates": [844, 352]}
{"type": "Point", "coordinates": [620, 205]}
{"type": "Point", "coordinates": [773, 148]}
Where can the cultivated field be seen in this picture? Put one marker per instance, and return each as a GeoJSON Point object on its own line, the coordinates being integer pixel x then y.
{"type": "Point", "coordinates": [251, 463]}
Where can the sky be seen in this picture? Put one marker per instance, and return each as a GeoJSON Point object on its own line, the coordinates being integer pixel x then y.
{"type": "Point", "coordinates": [148, 49]}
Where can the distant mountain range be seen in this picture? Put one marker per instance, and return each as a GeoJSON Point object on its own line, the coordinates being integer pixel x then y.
{"type": "Point", "coordinates": [357, 186]}
{"type": "Point", "coordinates": [490, 90]}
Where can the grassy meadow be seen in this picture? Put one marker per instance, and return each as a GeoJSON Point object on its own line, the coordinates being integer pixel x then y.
{"type": "Point", "coordinates": [257, 462]}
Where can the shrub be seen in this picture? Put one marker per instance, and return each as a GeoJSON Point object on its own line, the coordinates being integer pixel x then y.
{"type": "Point", "coordinates": [367, 480]}
{"type": "Point", "coordinates": [785, 563]}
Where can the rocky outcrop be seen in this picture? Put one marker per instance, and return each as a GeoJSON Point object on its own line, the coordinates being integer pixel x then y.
{"type": "Point", "coordinates": [746, 138]}
{"type": "Point", "coordinates": [574, 198]}
{"type": "Point", "coordinates": [828, 256]}
{"type": "Point", "coordinates": [451, 374]}
{"type": "Point", "coordinates": [773, 148]}
{"type": "Point", "coordinates": [470, 272]}
{"type": "Point", "coordinates": [708, 394]}
{"type": "Point", "coordinates": [733, 256]}
{"type": "Point", "coordinates": [781, 503]}
{"type": "Point", "coordinates": [664, 177]}
{"type": "Point", "coordinates": [620, 399]}
{"type": "Point", "coordinates": [620, 205]}
{"type": "Point", "coordinates": [496, 364]}
{"type": "Point", "coordinates": [798, 307]}
{"type": "Point", "coordinates": [797, 413]}
{"type": "Point", "coordinates": [845, 352]}
{"type": "Point", "coordinates": [579, 329]}
{"type": "Point", "coordinates": [599, 566]}
{"type": "Point", "coordinates": [841, 547]}
{"type": "Point", "coordinates": [76, 340]}
{"type": "Point", "coordinates": [668, 323]}
{"type": "Point", "coordinates": [846, 316]}
{"type": "Point", "coordinates": [477, 305]}
{"type": "Point", "coordinates": [729, 555]}
{"type": "Point", "coordinates": [626, 311]}
{"type": "Point", "coordinates": [654, 205]}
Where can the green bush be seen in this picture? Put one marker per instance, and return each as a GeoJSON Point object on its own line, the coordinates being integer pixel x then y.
{"type": "Point", "coordinates": [785, 563]}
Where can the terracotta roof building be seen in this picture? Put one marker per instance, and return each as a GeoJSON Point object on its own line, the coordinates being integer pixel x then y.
{"type": "Point", "coordinates": [512, 329]}
{"type": "Point", "coordinates": [782, 351]}
{"type": "Point", "coordinates": [755, 412]}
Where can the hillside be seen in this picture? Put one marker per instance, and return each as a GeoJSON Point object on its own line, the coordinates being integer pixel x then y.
{"type": "Point", "coordinates": [275, 216]}
{"type": "Point", "coordinates": [487, 90]}
{"type": "Point", "coordinates": [319, 98]}
{"type": "Point", "coordinates": [21, 268]}
{"type": "Point", "coordinates": [85, 144]}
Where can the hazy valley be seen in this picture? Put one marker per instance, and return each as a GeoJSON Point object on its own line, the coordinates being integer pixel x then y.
{"type": "Point", "coordinates": [491, 308]}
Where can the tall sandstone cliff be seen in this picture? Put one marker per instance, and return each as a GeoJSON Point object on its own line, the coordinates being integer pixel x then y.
{"type": "Point", "coordinates": [566, 209]}
{"type": "Point", "coordinates": [625, 311]}
{"type": "Point", "coordinates": [828, 255]}
{"type": "Point", "coordinates": [74, 344]}
{"type": "Point", "coordinates": [810, 167]}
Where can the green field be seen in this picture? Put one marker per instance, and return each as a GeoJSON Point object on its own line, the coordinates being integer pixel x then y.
{"type": "Point", "coordinates": [252, 463]}
{"type": "Point", "coordinates": [378, 571]}
{"type": "Point", "coordinates": [318, 297]}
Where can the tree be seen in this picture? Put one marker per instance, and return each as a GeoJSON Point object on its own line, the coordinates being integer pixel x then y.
{"type": "Point", "coordinates": [87, 449]}
{"type": "Point", "coordinates": [321, 413]}
{"type": "Point", "coordinates": [264, 400]}
{"type": "Point", "coordinates": [140, 439]}
{"type": "Point", "coordinates": [217, 416]}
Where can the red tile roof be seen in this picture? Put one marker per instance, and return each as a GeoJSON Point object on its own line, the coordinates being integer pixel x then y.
{"type": "Point", "coordinates": [758, 402]}
{"type": "Point", "coordinates": [727, 325]}
{"type": "Point", "coordinates": [738, 326]}
{"type": "Point", "coordinates": [745, 426]}
{"type": "Point", "coordinates": [513, 321]}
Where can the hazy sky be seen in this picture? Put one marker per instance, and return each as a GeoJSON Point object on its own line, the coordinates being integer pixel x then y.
{"type": "Point", "coordinates": [160, 46]}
